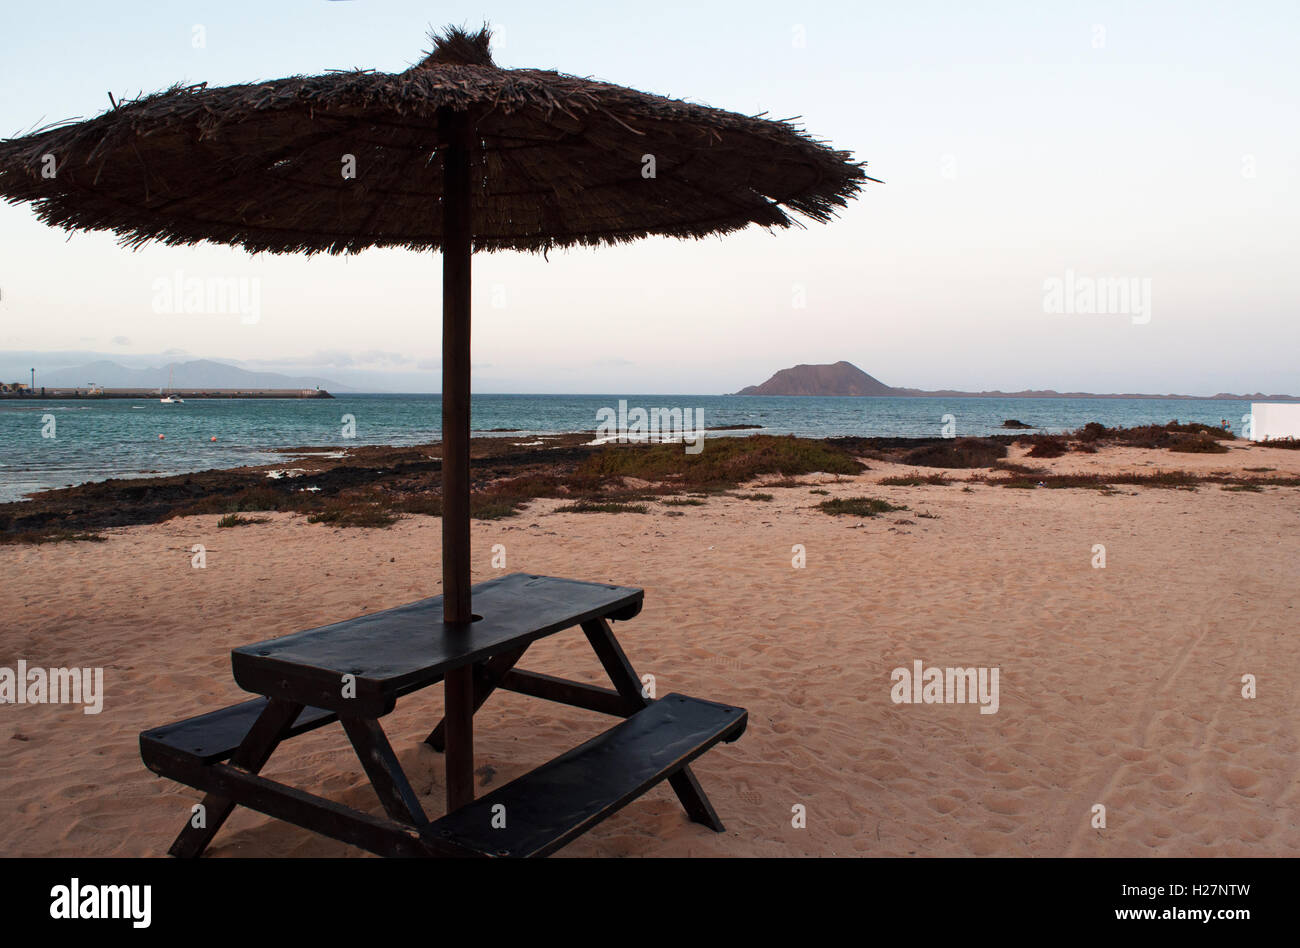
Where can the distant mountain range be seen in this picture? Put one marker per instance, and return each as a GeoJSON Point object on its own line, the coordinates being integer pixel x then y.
{"type": "Point", "coordinates": [195, 374]}
{"type": "Point", "coordinates": [844, 378]}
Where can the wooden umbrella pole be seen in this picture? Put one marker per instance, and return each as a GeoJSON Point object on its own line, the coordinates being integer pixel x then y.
{"type": "Point", "coordinates": [455, 133]}
{"type": "Point", "coordinates": [456, 246]}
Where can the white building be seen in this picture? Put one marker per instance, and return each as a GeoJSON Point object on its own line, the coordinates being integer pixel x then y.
{"type": "Point", "coordinates": [1274, 420]}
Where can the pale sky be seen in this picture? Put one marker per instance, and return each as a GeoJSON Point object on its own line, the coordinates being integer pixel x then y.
{"type": "Point", "coordinates": [1018, 140]}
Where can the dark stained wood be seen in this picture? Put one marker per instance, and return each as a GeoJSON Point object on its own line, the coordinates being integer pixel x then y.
{"type": "Point", "coordinates": [384, 770]}
{"type": "Point", "coordinates": [216, 735]}
{"type": "Point", "coordinates": [615, 662]}
{"type": "Point", "coordinates": [380, 835]}
{"type": "Point", "coordinates": [486, 676]}
{"type": "Point", "coordinates": [396, 652]}
{"type": "Point", "coordinates": [400, 650]}
{"type": "Point", "coordinates": [264, 736]}
{"type": "Point", "coordinates": [694, 800]}
{"type": "Point", "coordinates": [459, 736]}
{"type": "Point", "coordinates": [550, 806]}
{"type": "Point", "coordinates": [563, 691]}
{"type": "Point", "coordinates": [455, 137]}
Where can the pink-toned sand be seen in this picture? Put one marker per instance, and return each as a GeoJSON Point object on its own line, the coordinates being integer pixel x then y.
{"type": "Point", "coordinates": [1118, 686]}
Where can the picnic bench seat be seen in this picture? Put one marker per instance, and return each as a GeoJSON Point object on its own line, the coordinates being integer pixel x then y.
{"type": "Point", "coordinates": [354, 672]}
{"type": "Point", "coordinates": [215, 736]}
{"type": "Point", "coordinates": [543, 810]}
{"type": "Point", "coordinates": [560, 800]}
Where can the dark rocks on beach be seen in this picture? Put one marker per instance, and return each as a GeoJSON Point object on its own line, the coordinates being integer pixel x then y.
{"type": "Point", "coordinates": [380, 468]}
{"type": "Point", "coordinates": [1043, 446]}
{"type": "Point", "coordinates": [407, 480]}
{"type": "Point", "coordinates": [957, 453]}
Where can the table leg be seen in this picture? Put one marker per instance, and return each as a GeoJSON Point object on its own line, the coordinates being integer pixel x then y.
{"type": "Point", "coordinates": [252, 754]}
{"type": "Point", "coordinates": [485, 682]}
{"type": "Point", "coordinates": [385, 773]}
{"type": "Point", "coordinates": [458, 723]}
{"type": "Point", "coordinates": [628, 684]}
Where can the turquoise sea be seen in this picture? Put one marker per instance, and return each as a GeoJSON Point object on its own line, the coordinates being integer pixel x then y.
{"type": "Point", "coordinates": [95, 440]}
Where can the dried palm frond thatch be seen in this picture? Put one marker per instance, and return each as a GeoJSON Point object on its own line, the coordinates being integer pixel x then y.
{"type": "Point", "coordinates": [560, 161]}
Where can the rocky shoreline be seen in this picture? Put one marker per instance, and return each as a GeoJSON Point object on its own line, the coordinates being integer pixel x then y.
{"type": "Point", "coordinates": [376, 485]}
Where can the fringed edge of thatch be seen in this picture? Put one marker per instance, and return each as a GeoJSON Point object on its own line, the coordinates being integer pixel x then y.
{"type": "Point", "coordinates": [457, 74]}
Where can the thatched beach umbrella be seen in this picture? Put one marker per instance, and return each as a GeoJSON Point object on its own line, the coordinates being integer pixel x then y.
{"type": "Point", "coordinates": [454, 154]}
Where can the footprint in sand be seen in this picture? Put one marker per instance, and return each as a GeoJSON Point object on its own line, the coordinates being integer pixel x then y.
{"type": "Point", "coordinates": [944, 804]}
{"type": "Point", "coordinates": [845, 828]}
{"type": "Point", "coordinates": [1241, 778]}
{"type": "Point", "coordinates": [1006, 805]}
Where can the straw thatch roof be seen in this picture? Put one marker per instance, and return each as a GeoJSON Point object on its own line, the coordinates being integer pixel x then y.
{"type": "Point", "coordinates": [560, 162]}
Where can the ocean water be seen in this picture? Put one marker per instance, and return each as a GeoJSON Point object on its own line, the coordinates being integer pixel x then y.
{"type": "Point", "coordinates": [46, 444]}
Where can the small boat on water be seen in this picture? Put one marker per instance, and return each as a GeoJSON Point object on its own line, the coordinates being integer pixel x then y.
{"type": "Point", "coordinates": [169, 398]}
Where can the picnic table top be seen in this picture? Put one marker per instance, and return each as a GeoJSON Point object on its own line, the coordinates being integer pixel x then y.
{"type": "Point", "coordinates": [399, 650]}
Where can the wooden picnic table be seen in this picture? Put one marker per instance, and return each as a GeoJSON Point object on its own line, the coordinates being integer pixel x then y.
{"type": "Point", "coordinates": [355, 671]}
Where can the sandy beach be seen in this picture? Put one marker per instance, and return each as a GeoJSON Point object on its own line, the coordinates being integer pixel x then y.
{"type": "Point", "coordinates": [1119, 686]}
